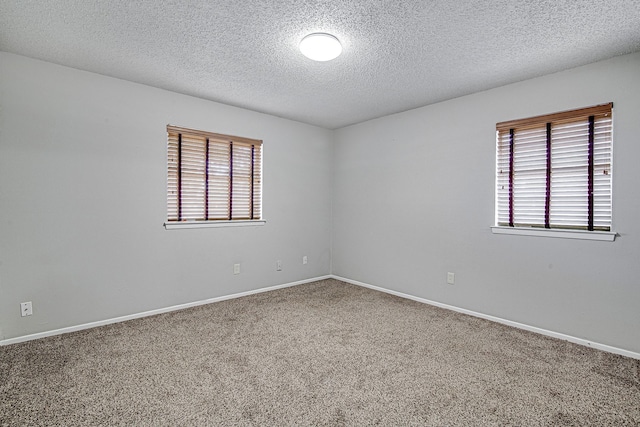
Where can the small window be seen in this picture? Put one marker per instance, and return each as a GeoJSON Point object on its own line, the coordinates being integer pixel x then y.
{"type": "Point", "coordinates": [554, 171]}
{"type": "Point", "coordinates": [212, 177]}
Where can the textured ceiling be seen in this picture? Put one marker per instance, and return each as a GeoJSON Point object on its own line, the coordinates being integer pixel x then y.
{"type": "Point", "coordinates": [397, 54]}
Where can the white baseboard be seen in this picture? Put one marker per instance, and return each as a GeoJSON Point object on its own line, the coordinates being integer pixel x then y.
{"type": "Point", "coordinates": [546, 332]}
{"type": "Point", "coordinates": [68, 329]}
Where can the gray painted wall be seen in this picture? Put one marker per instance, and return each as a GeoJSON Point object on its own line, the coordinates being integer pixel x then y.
{"type": "Point", "coordinates": [414, 199]}
{"type": "Point", "coordinates": [82, 200]}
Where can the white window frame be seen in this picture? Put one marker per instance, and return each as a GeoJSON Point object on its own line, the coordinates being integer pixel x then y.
{"type": "Point", "coordinates": [213, 180]}
{"type": "Point", "coordinates": [554, 175]}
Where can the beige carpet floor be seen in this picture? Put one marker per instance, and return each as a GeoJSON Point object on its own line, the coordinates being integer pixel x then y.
{"type": "Point", "coordinates": [324, 353]}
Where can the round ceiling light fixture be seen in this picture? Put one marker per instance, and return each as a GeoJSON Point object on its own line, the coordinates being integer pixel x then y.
{"type": "Point", "coordinates": [320, 47]}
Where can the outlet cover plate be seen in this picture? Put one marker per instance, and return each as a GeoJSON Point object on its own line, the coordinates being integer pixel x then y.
{"type": "Point", "coordinates": [451, 278]}
{"type": "Point", "coordinates": [26, 309]}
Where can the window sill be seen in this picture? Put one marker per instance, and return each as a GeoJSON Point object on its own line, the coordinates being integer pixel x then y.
{"type": "Point", "coordinates": [212, 224]}
{"type": "Point", "coordinates": [606, 236]}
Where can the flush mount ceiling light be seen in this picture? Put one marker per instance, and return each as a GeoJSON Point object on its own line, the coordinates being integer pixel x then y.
{"type": "Point", "coordinates": [320, 47]}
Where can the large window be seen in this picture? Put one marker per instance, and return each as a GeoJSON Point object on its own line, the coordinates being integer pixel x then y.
{"type": "Point", "coordinates": [212, 177]}
{"type": "Point", "coordinates": [554, 171]}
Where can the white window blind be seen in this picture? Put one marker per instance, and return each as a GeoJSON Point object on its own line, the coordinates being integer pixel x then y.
{"type": "Point", "coordinates": [554, 171]}
{"type": "Point", "coordinates": [213, 177]}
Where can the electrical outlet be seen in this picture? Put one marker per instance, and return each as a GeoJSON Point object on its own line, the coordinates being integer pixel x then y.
{"type": "Point", "coordinates": [451, 278]}
{"type": "Point", "coordinates": [304, 259]}
{"type": "Point", "coordinates": [26, 309]}
{"type": "Point", "coordinates": [236, 268]}
{"type": "Point", "coordinates": [279, 265]}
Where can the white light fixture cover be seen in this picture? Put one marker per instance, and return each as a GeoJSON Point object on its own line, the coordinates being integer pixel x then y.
{"type": "Point", "coordinates": [320, 47]}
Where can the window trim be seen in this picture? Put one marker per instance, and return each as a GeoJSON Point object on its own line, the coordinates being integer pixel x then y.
{"type": "Point", "coordinates": [176, 225]}
{"type": "Point", "coordinates": [565, 117]}
{"type": "Point", "coordinates": [174, 190]}
{"type": "Point", "coordinates": [603, 236]}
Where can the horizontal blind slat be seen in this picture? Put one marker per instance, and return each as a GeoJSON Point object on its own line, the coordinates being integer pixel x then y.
{"type": "Point", "coordinates": [569, 174]}
{"type": "Point", "coordinates": [208, 184]}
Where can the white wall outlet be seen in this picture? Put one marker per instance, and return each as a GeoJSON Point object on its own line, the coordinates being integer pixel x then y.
{"type": "Point", "coordinates": [279, 265]}
{"type": "Point", "coordinates": [26, 309]}
{"type": "Point", "coordinates": [236, 268]}
{"type": "Point", "coordinates": [451, 278]}
{"type": "Point", "coordinates": [304, 259]}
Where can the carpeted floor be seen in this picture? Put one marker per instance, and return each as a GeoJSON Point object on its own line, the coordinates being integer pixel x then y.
{"type": "Point", "coordinates": [325, 353]}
